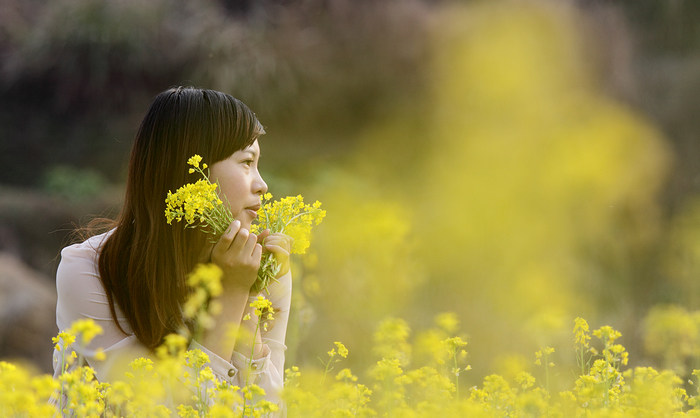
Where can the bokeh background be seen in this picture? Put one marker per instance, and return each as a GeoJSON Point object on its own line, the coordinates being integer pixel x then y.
{"type": "Point", "coordinates": [518, 163]}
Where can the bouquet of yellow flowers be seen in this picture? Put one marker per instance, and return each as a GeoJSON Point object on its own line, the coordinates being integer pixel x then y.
{"type": "Point", "coordinates": [200, 206]}
{"type": "Point", "coordinates": [291, 216]}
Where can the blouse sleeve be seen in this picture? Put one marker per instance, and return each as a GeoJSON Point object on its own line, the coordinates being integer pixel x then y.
{"type": "Point", "coordinates": [267, 371]}
{"type": "Point", "coordinates": [81, 296]}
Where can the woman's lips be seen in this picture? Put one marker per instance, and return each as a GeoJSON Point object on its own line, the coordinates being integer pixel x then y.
{"type": "Point", "coordinates": [253, 213]}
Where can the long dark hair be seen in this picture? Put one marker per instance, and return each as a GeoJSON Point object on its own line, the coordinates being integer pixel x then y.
{"type": "Point", "coordinates": [144, 262]}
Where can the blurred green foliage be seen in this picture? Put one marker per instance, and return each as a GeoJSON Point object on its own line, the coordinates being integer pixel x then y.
{"type": "Point", "coordinates": [72, 183]}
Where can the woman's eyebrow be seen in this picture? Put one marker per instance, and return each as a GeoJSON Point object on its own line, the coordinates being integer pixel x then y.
{"type": "Point", "coordinates": [251, 152]}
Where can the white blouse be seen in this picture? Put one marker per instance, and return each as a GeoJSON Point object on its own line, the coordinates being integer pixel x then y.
{"type": "Point", "coordinates": [81, 295]}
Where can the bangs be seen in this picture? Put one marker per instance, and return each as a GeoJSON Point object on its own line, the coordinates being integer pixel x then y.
{"type": "Point", "coordinates": [233, 126]}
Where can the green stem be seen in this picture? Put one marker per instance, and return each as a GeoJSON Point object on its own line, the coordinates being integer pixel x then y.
{"type": "Point", "coordinates": [104, 400]}
{"type": "Point", "coordinates": [202, 400]}
{"type": "Point", "coordinates": [294, 217]}
{"type": "Point", "coordinates": [606, 376]}
{"type": "Point", "coordinates": [325, 372]}
{"type": "Point", "coordinates": [266, 273]}
{"type": "Point", "coordinates": [250, 362]}
{"type": "Point", "coordinates": [64, 368]}
{"type": "Point", "coordinates": [454, 357]}
{"type": "Point", "coordinates": [546, 373]}
{"type": "Point", "coordinates": [388, 398]}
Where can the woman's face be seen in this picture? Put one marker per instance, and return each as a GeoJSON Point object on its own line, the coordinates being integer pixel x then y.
{"type": "Point", "coordinates": [241, 183]}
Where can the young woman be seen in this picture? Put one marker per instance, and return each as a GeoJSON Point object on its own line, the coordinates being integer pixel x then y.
{"type": "Point", "coordinates": [131, 279]}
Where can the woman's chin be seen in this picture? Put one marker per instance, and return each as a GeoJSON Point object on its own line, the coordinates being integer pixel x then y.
{"type": "Point", "coordinates": [245, 223]}
{"type": "Point", "coordinates": [245, 218]}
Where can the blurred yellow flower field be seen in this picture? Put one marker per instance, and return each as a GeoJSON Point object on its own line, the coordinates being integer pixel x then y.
{"type": "Point", "coordinates": [178, 381]}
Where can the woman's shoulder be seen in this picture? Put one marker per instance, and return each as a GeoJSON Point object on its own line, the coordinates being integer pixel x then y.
{"type": "Point", "coordinates": [88, 248]}
{"type": "Point", "coordinates": [80, 291]}
{"type": "Point", "coordinates": [78, 263]}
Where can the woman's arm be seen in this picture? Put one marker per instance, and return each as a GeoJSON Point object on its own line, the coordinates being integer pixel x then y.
{"type": "Point", "coordinates": [275, 337]}
{"type": "Point", "coordinates": [238, 254]}
{"type": "Point", "coordinates": [251, 343]}
{"type": "Point", "coordinates": [229, 324]}
{"type": "Point", "coordinates": [280, 294]}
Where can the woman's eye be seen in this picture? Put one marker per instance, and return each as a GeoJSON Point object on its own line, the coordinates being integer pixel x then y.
{"type": "Point", "coordinates": [248, 162]}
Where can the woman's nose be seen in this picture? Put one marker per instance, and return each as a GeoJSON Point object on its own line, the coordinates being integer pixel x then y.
{"type": "Point", "coordinates": [259, 185]}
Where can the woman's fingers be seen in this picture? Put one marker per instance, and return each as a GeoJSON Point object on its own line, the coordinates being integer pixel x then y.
{"type": "Point", "coordinates": [264, 234]}
{"type": "Point", "coordinates": [225, 241]}
{"type": "Point", "coordinates": [240, 239]}
{"type": "Point", "coordinates": [236, 245]}
{"type": "Point", "coordinates": [244, 244]}
{"type": "Point", "coordinates": [257, 252]}
{"type": "Point", "coordinates": [277, 242]}
{"type": "Point", "coordinates": [238, 253]}
{"type": "Point", "coordinates": [280, 245]}
{"type": "Point", "coordinates": [249, 246]}
{"type": "Point", "coordinates": [276, 249]}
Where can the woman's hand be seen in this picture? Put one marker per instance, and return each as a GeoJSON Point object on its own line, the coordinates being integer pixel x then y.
{"type": "Point", "coordinates": [238, 253]}
{"type": "Point", "coordinates": [280, 245]}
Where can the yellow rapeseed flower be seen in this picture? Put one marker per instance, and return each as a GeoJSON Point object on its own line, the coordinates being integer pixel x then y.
{"type": "Point", "coordinates": [87, 328]}
{"type": "Point", "coordinates": [65, 337]}
{"type": "Point", "coordinates": [194, 160]}
{"type": "Point", "coordinates": [261, 305]}
{"type": "Point", "coordinates": [447, 321]}
{"type": "Point", "coordinates": [173, 345]}
{"type": "Point", "coordinates": [581, 333]}
{"type": "Point", "coordinates": [341, 349]}
{"type": "Point", "coordinates": [525, 380]}
{"type": "Point", "coordinates": [347, 375]}
{"type": "Point", "coordinates": [196, 358]}
{"type": "Point", "coordinates": [208, 277]}
{"type": "Point", "coordinates": [454, 344]}
{"type": "Point", "coordinates": [607, 333]}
